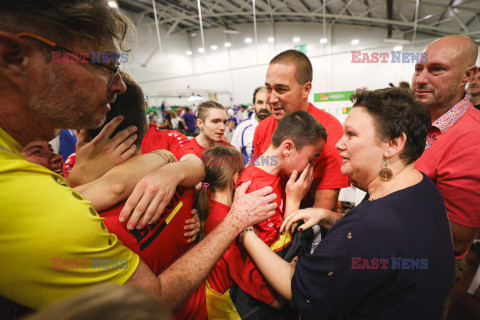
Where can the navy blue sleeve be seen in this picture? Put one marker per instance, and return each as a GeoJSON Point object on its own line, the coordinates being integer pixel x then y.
{"type": "Point", "coordinates": [333, 279]}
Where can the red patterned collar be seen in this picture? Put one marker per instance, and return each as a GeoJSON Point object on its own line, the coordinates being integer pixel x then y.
{"type": "Point", "coordinates": [447, 120]}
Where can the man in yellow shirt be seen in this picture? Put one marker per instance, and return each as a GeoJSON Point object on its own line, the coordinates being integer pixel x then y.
{"type": "Point", "coordinates": [49, 231]}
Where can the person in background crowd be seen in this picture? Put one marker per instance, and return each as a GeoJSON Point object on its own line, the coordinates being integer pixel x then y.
{"type": "Point", "coordinates": [367, 267]}
{"type": "Point", "coordinates": [288, 83]}
{"type": "Point", "coordinates": [167, 123]}
{"type": "Point", "coordinates": [212, 121]}
{"type": "Point", "coordinates": [474, 90]}
{"type": "Point", "coordinates": [163, 106]}
{"type": "Point", "coordinates": [230, 113]}
{"type": "Point", "coordinates": [452, 149]}
{"type": "Point", "coordinates": [242, 138]}
{"type": "Point", "coordinates": [242, 114]}
{"type": "Point", "coordinates": [38, 95]}
{"type": "Point", "coordinates": [153, 122]}
{"type": "Point", "coordinates": [229, 130]}
{"type": "Point", "coordinates": [151, 114]}
{"type": "Point", "coordinates": [176, 122]}
{"type": "Point", "coordinates": [250, 111]}
{"type": "Point", "coordinates": [189, 119]}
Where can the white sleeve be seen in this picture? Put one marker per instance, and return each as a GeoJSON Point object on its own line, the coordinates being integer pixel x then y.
{"type": "Point", "coordinates": [237, 138]}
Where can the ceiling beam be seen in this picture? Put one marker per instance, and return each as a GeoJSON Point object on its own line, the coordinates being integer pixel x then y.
{"type": "Point", "coordinates": [304, 6]}
{"type": "Point", "coordinates": [369, 12]}
{"type": "Point", "coordinates": [459, 21]}
{"type": "Point", "coordinates": [343, 10]}
{"type": "Point", "coordinates": [330, 16]}
{"type": "Point", "coordinates": [475, 17]}
{"type": "Point", "coordinates": [389, 17]}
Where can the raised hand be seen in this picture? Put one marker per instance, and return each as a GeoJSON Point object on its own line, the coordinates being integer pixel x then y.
{"type": "Point", "coordinates": [254, 207]}
{"type": "Point", "coordinates": [96, 157]}
{"type": "Point", "coordinates": [296, 189]}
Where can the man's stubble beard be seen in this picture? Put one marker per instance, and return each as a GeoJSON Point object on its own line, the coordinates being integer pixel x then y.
{"type": "Point", "coordinates": [439, 102]}
{"type": "Point", "coordinates": [54, 104]}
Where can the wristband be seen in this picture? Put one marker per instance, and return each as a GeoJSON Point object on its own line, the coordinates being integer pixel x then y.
{"type": "Point", "coordinates": [166, 155]}
{"type": "Point", "coordinates": [246, 230]}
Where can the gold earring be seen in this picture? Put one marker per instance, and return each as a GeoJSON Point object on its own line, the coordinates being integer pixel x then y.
{"type": "Point", "coordinates": [386, 173]}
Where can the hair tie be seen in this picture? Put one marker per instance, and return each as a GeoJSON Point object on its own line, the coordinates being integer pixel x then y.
{"type": "Point", "coordinates": [205, 185]}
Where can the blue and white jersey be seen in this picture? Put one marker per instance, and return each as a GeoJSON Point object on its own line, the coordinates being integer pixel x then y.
{"type": "Point", "coordinates": [243, 137]}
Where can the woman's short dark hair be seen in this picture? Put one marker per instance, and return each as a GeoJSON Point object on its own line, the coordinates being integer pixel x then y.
{"type": "Point", "coordinates": [395, 111]}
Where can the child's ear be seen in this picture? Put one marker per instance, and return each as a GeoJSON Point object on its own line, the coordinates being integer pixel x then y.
{"type": "Point", "coordinates": [236, 177]}
{"type": "Point", "coordinates": [287, 147]}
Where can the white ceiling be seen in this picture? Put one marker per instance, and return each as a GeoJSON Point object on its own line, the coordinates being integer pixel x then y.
{"type": "Point", "coordinates": [435, 17]}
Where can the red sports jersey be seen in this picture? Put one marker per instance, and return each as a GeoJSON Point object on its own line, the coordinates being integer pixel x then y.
{"type": "Point", "coordinates": [235, 266]}
{"type": "Point", "coordinates": [327, 166]}
{"type": "Point", "coordinates": [173, 141]}
{"type": "Point", "coordinates": [161, 243]}
{"type": "Point", "coordinates": [199, 150]}
{"type": "Point", "coordinates": [154, 139]}
{"type": "Point", "coordinates": [219, 279]}
{"type": "Point", "coordinates": [241, 267]}
{"type": "Point", "coordinates": [69, 163]}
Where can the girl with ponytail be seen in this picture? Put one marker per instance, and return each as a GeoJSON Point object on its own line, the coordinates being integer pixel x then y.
{"type": "Point", "coordinates": [223, 166]}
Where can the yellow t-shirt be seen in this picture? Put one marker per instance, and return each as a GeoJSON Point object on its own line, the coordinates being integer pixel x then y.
{"type": "Point", "coordinates": [52, 242]}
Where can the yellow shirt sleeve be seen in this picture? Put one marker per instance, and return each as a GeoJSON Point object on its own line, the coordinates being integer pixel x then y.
{"type": "Point", "coordinates": [52, 242]}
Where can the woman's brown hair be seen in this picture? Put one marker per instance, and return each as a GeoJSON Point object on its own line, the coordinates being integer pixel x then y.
{"type": "Point", "coordinates": [221, 165]}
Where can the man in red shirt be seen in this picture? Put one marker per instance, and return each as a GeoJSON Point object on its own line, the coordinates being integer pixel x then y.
{"type": "Point", "coordinates": [212, 121]}
{"type": "Point", "coordinates": [452, 150]}
{"type": "Point", "coordinates": [288, 83]}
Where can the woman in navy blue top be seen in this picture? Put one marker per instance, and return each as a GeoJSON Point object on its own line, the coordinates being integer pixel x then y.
{"type": "Point", "coordinates": [391, 257]}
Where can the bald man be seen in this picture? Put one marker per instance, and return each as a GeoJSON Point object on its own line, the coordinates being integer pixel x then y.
{"type": "Point", "coordinates": [452, 150]}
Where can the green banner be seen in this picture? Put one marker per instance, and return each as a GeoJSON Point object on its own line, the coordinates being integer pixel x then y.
{"type": "Point", "coordinates": [302, 48]}
{"type": "Point", "coordinates": [332, 96]}
{"type": "Point", "coordinates": [151, 109]}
